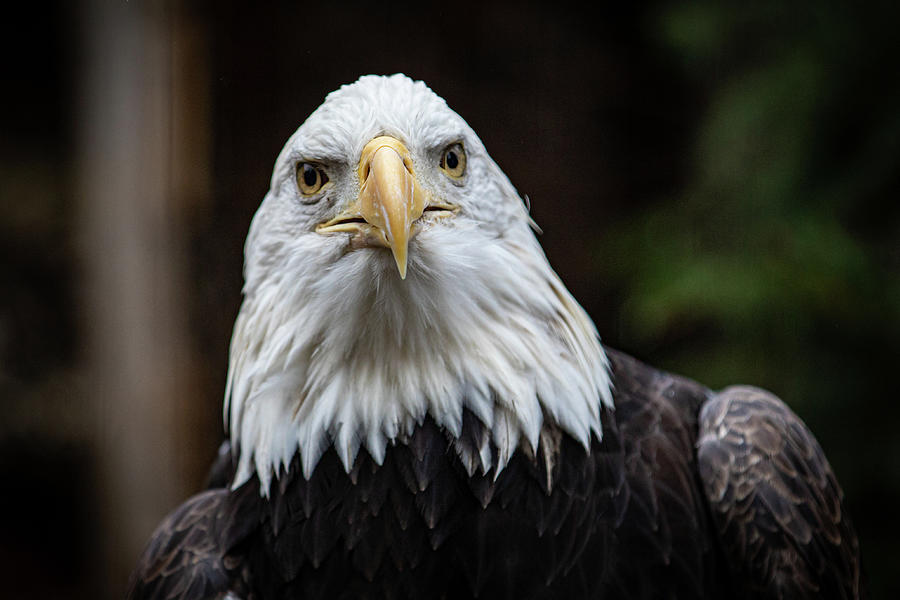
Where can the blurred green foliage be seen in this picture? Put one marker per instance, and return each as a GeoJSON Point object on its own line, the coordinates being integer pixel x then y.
{"type": "Point", "coordinates": [778, 263]}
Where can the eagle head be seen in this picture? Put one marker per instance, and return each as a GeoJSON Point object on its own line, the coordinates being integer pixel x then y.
{"type": "Point", "coordinates": [392, 272]}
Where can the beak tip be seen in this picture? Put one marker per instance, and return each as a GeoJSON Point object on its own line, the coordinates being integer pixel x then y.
{"type": "Point", "coordinates": [401, 267]}
{"type": "Point", "coordinates": [400, 251]}
{"type": "Point", "coordinates": [400, 258]}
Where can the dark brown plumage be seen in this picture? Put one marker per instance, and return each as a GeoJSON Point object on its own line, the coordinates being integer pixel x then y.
{"type": "Point", "coordinates": [775, 501]}
{"type": "Point", "coordinates": [690, 494]}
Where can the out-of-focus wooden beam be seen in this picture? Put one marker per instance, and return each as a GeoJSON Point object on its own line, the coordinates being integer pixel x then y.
{"type": "Point", "coordinates": [142, 172]}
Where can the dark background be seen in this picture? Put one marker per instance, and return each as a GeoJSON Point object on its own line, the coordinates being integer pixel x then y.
{"type": "Point", "coordinates": [719, 185]}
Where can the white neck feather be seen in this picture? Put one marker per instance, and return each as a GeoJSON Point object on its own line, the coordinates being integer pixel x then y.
{"type": "Point", "coordinates": [357, 357]}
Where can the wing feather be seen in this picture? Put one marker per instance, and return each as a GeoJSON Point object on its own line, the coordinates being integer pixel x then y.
{"type": "Point", "coordinates": [188, 555]}
{"type": "Point", "coordinates": [775, 501]}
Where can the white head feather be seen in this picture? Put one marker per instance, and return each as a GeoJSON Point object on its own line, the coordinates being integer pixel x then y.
{"type": "Point", "coordinates": [332, 347]}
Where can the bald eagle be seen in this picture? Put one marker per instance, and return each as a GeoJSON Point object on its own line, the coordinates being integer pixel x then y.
{"type": "Point", "coordinates": [418, 408]}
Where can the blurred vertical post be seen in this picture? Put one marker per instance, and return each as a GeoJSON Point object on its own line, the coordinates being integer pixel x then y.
{"type": "Point", "coordinates": [143, 173]}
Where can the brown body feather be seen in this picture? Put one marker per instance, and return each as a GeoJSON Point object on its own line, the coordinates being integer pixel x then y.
{"type": "Point", "coordinates": [690, 494]}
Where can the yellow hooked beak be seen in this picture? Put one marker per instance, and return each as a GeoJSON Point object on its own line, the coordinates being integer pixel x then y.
{"type": "Point", "coordinates": [390, 200]}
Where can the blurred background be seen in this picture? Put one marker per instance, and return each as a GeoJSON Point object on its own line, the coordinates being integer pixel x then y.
{"type": "Point", "coordinates": [718, 184]}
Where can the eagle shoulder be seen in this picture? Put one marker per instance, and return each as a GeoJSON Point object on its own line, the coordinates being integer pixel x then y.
{"type": "Point", "coordinates": [189, 555]}
{"type": "Point", "coordinates": [775, 501]}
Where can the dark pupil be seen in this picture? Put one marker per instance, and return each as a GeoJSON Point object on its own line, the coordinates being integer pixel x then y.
{"type": "Point", "coordinates": [310, 176]}
{"type": "Point", "coordinates": [452, 160]}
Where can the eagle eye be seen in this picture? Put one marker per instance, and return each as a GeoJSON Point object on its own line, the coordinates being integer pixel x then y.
{"type": "Point", "coordinates": [453, 160]}
{"type": "Point", "coordinates": [310, 178]}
